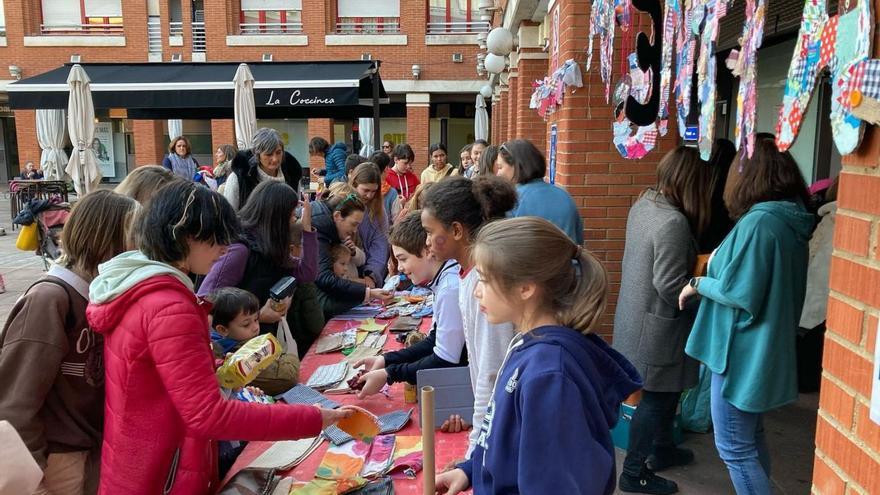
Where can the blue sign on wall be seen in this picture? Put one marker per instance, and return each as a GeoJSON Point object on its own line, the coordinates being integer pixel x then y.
{"type": "Point", "coordinates": [692, 133]}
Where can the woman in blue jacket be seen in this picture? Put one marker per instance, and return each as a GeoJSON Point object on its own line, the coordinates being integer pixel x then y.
{"type": "Point", "coordinates": [334, 159]}
{"type": "Point", "coordinates": [558, 392]}
{"type": "Point", "coordinates": [751, 304]}
{"type": "Point", "coordinates": [520, 162]}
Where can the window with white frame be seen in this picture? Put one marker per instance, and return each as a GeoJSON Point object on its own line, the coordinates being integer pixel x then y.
{"type": "Point", "coordinates": [2, 20]}
{"type": "Point", "coordinates": [82, 17]}
{"type": "Point", "coordinates": [374, 17]}
{"type": "Point", "coordinates": [454, 17]}
{"type": "Point", "coordinates": [270, 17]}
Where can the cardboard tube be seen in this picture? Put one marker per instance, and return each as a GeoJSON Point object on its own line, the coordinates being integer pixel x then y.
{"type": "Point", "coordinates": [428, 468]}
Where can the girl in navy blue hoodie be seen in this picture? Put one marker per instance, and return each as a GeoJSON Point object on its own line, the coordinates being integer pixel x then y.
{"type": "Point", "coordinates": [547, 428]}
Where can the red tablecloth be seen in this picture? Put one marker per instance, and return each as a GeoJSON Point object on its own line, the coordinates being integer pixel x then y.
{"type": "Point", "coordinates": [448, 446]}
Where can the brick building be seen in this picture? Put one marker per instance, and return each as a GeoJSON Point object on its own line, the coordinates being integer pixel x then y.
{"type": "Point", "coordinates": [427, 49]}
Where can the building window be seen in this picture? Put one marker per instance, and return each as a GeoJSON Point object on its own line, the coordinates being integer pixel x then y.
{"type": "Point", "coordinates": [95, 17]}
{"type": "Point", "coordinates": [2, 20]}
{"type": "Point", "coordinates": [270, 17]}
{"type": "Point", "coordinates": [376, 17]}
{"type": "Point", "coordinates": [454, 17]}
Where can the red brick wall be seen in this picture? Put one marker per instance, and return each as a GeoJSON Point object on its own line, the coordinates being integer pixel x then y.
{"type": "Point", "coordinates": [418, 134]}
{"type": "Point", "coordinates": [530, 125]}
{"type": "Point", "coordinates": [149, 146]}
{"type": "Point", "coordinates": [26, 125]}
{"type": "Point", "coordinates": [602, 183]}
{"type": "Point", "coordinates": [222, 132]}
{"type": "Point", "coordinates": [512, 106]}
{"type": "Point", "coordinates": [847, 441]}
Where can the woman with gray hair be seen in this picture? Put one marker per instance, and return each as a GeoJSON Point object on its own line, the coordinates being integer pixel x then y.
{"type": "Point", "coordinates": [266, 160]}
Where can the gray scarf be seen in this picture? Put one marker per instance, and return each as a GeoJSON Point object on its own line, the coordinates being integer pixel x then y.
{"type": "Point", "coordinates": [182, 167]}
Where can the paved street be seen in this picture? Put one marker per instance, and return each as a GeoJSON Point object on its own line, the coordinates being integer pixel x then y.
{"type": "Point", "coordinates": [19, 269]}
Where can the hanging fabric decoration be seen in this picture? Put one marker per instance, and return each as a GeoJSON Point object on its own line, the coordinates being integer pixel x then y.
{"type": "Point", "coordinates": [708, 14]}
{"type": "Point", "coordinates": [685, 47]}
{"type": "Point", "coordinates": [549, 93]}
{"type": "Point", "coordinates": [602, 25]}
{"type": "Point", "coordinates": [843, 44]}
{"type": "Point", "coordinates": [744, 64]}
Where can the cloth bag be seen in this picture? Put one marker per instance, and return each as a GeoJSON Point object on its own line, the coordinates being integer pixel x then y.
{"type": "Point", "coordinates": [28, 239]}
{"type": "Point", "coordinates": [282, 374]}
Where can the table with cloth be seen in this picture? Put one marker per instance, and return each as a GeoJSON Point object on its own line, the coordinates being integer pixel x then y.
{"type": "Point", "coordinates": [448, 446]}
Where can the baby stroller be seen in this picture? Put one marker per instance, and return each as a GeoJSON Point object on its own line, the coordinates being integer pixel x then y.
{"type": "Point", "coordinates": [43, 219]}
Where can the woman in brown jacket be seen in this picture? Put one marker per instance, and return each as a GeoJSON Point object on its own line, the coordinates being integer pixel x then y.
{"type": "Point", "coordinates": [51, 366]}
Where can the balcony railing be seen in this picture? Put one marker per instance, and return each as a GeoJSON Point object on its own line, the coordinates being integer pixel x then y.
{"type": "Point", "coordinates": [200, 43]}
{"type": "Point", "coordinates": [371, 25]}
{"type": "Point", "coordinates": [112, 29]}
{"type": "Point", "coordinates": [175, 29]}
{"type": "Point", "coordinates": [458, 27]}
{"type": "Point", "coordinates": [267, 28]}
{"type": "Point", "coordinates": [154, 34]}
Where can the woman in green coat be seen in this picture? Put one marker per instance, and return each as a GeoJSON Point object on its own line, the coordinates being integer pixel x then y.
{"type": "Point", "coordinates": [751, 304]}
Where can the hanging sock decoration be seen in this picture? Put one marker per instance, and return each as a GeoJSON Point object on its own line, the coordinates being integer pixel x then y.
{"type": "Point", "coordinates": [602, 25]}
{"type": "Point", "coordinates": [709, 15]}
{"type": "Point", "coordinates": [843, 44]}
{"type": "Point", "coordinates": [744, 64]}
{"type": "Point", "coordinates": [686, 48]}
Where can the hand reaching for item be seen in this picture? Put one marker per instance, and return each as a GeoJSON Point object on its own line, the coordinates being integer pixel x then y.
{"type": "Point", "coordinates": [273, 312]}
{"type": "Point", "coordinates": [371, 363]}
{"type": "Point", "coordinates": [372, 383]}
{"type": "Point", "coordinates": [454, 424]}
{"type": "Point", "coordinates": [306, 218]}
{"type": "Point", "coordinates": [451, 482]}
{"type": "Point", "coordinates": [332, 416]}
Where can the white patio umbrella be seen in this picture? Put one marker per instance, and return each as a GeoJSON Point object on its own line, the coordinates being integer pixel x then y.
{"type": "Point", "coordinates": [50, 135]}
{"type": "Point", "coordinates": [481, 119]}
{"type": "Point", "coordinates": [83, 165]}
{"type": "Point", "coordinates": [245, 113]}
{"type": "Point", "coordinates": [175, 128]}
{"type": "Point", "coordinates": [365, 130]}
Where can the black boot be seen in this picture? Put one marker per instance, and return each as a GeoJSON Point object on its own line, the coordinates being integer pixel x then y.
{"type": "Point", "coordinates": [669, 457]}
{"type": "Point", "coordinates": [647, 482]}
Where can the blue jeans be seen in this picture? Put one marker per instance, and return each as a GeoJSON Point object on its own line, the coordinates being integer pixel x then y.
{"type": "Point", "coordinates": [739, 438]}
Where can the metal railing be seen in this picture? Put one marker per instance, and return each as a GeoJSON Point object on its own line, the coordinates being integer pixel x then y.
{"type": "Point", "coordinates": [458, 27]}
{"type": "Point", "coordinates": [82, 29]}
{"type": "Point", "coordinates": [258, 28]}
{"type": "Point", "coordinates": [154, 34]}
{"type": "Point", "coordinates": [175, 29]}
{"type": "Point", "coordinates": [364, 25]}
{"type": "Point", "coordinates": [200, 42]}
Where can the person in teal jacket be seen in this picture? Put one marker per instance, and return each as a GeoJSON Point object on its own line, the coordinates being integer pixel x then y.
{"type": "Point", "coordinates": [751, 303]}
{"type": "Point", "coordinates": [520, 162]}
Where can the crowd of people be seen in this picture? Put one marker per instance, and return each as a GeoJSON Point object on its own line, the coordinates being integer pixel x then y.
{"type": "Point", "coordinates": [107, 363]}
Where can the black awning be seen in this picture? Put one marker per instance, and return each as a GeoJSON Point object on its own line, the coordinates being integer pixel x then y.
{"type": "Point", "coordinates": [205, 90]}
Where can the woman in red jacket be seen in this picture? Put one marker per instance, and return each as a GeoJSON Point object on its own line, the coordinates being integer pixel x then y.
{"type": "Point", "coordinates": [163, 407]}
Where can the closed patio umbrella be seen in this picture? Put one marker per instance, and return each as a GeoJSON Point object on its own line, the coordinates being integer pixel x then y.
{"type": "Point", "coordinates": [83, 166]}
{"type": "Point", "coordinates": [50, 135]}
{"type": "Point", "coordinates": [481, 119]}
{"type": "Point", "coordinates": [245, 114]}
{"type": "Point", "coordinates": [365, 130]}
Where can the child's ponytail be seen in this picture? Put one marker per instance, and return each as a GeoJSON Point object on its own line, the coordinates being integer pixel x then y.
{"type": "Point", "coordinates": [583, 304]}
{"type": "Point", "coordinates": [532, 250]}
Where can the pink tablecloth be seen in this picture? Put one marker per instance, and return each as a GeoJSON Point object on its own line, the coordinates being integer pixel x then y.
{"type": "Point", "coordinates": [448, 446]}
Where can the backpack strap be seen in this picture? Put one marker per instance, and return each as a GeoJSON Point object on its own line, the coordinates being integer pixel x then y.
{"type": "Point", "coordinates": [68, 319]}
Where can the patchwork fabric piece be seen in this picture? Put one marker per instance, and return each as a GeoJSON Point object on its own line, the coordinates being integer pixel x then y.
{"type": "Point", "coordinates": [362, 425]}
{"type": "Point", "coordinates": [709, 13]}
{"type": "Point", "coordinates": [870, 84]}
{"type": "Point", "coordinates": [336, 436]}
{"type": "Point", "coordinates": [547, 95]}
{"type": "Point", "coordinates": [408, 457]}
{"type": "Point", "coordinates": [685, 49]}
{"type": "Point", "coordinates": [382, 486]}
{"type": "Point", "coordinates": [746, 68]}
{"type": "Point", "coordinates": [602, 25]}
{"type": "Point", "coordinates": [302, 394]}
{"type": "Point", "coordinates": [843, 44]}
{"type": "Point", "coordinates": [380, 457]}
{"type": "Point", "coordinates": [343, 462]}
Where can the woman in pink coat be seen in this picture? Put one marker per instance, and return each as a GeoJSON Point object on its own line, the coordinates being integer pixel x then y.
{"type": "Point", "coordinates": [163, 409]}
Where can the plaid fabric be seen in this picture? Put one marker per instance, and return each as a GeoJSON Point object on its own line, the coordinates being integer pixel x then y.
{"type": "Point", "coordinates": [394, 422]}
{"type": "Point", "coordinates": [870, 84]}
{"type": "Point", "coordinates": [336, 436]}
{"type": "Point", "coordinates": [649, 139]}
{"type": "Point", "coordinates": [302, 394]}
